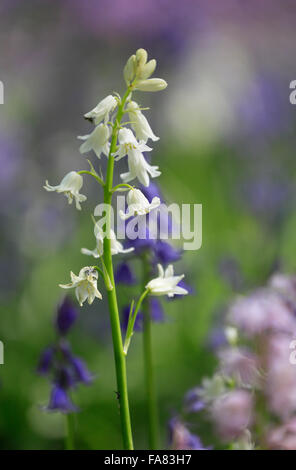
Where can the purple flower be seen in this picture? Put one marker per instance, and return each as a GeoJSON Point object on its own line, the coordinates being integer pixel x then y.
{"type": "Point", "coordinates": [181, 438]}
{"type": "Point", "coordinates": [240, 364]}
{"type": "Point", "coordinates": [125, 316]}
{"type": "Point", "coordinates": [156, 310]}
{"type": "Point", "coordinates": [268, 197]}
{"type": "Point", "coordinates": [283, 437]}
{"type": "Point", "coordinates": [263, 310]}
{"type": "Point", "coordinates": [156, 313]}
{"type": "Point", "coordinates": [286, 285]}
{"type": "Point", "coordinates": [186, 286]}
{"type": "Point", "coordinates": [217, 338]}
{"type": "Point", "coordinates": [193, 402]}
{"type": "Point", "coordinates": [166, 253]}
{"type": "Point", "coordinates": [231, 272]}
{"type": "Point", "coordinates": [232, 413]}
{"type": "Point", "coordinates": [65, 371]}
{"type": "Point", "coordinates": [66, 316]}
{"type": "Point", "coordinates": [60, 401]}
{"type": "Point", "coordinates": [144, 243]}
{"type": "Point", "coordinates": [151, 191]}
{"type": "Point", "coordinates": [82, 374]}
{"type": "Point", "coordinates": [280, 376]}
{"type": "Point", "coordinates": [124, 274]}
{"type": "Point", "coordinates": [64, 377]}
{"type": "Point", "coordinates": [45, 361]}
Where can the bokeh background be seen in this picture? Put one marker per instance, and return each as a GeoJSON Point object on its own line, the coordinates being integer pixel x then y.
{"type": "Point", "coordinates": [227, 133]}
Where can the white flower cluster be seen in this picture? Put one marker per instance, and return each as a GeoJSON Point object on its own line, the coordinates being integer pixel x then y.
{"type": "Point", "coordinates": [130, 142]}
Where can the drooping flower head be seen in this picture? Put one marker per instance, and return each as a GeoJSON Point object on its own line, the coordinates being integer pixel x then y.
{"type": "Point", "coordinates": [85, 285]}
{"type": "Point", "coordinates": [66, 316]}
{"type": "Point", "coordinates": [138, 204]}
{"type": "Point", "coordinates": [116, 246]}
{"type": "Point", "coordinates": [138, 166]}
{"type": "Point", "coordinates": [70, 186]}
{"type": "Point", "coordinates": [102, 111]}
{"type": "Point", "coordinates": [98, 141]}
{"type": "Point", "coordinates": [140, 124]}
{"type": "Point", "coordinates": [124, 274]}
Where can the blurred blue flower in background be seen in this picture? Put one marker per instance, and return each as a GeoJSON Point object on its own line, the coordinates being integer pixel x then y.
{"type": "Point", "coordinates": [57, 362]}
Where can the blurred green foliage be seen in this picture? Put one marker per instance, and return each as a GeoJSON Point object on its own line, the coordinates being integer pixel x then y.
{"type": "Point", "coordinates": [180, 349]}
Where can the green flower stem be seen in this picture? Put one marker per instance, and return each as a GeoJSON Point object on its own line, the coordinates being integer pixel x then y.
{"type": "Point", "coordinates": [131, 320]}
{"type": "Point", "coordinates": [120, 362]}
{"type": "Point", "coordinates": [95, 175]}
{"type": "Point", "coordinates": [70, 431]}
{"type": "Point", "coordinates": [151, 396]}
{"type": "Point", "coordinates": [122, 186]}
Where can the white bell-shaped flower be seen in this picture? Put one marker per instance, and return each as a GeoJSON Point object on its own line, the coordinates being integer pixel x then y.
{"type": "Point", "coordinates": [70, 186]}
{"type": "Point", "coordinates": [102, 111]}
{"type": "Point", "coordinates": [138, 167]}
{"type": "Point", "coordinates": [166, 283]}
{"type": "Point", "coordinates": [98, 141]}
{"type": "Point", "coordinates": [97, 252]}
{"type": "Point", "coordinates": [85, 285]}
{"type": "Point", "coordinates": [139, 123]}
{"type": "Point", "coordinates": [138, 204]}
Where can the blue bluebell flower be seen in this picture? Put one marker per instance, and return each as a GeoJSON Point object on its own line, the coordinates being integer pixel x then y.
{"type": "Point", "coordinates": [151, 191]}
{"type": "Point", "coordinates": [156, 310]}
{"type": "Point", "coordinates": [156, 313]}
{"type": "Point", "coordinates": [125, 316]}
{"type": "Point", "coordinates": [146, 242]}
{"type": "Point", "coordinates": [64, 370]}
{"type": "Point", "coordinates": [60, 401]}
{"type": "Point", "coordinates": [82, 374]}
{"type": "Point", "coordinates": [45, 361]}
{"type": "Point", "coordinates": [66, 316]}
{"type": "Point", "coordinates": [181, 438]}
{"type": "Point", "coordinates": [124, 274]}
{"type": "Point", "coordinates": [184, 285]}
{"type": "Point", "coordinates": [193, 402]}
{"type": "Point", "coordinates": [217, 338]}
{"type": "Point", "coordinates": [166, 253]}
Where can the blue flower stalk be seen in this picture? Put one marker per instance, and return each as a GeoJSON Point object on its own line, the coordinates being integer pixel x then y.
{"type": "Point", "coordinates": [63, 369]}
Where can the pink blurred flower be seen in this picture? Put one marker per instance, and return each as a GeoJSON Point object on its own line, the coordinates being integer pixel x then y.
{"type": "Point", "coordinates": [280, 376]}
{"type": "Point", "coordinates": [181, 438]}
{"type": "Point", "coordinates": [284, 284]}
{"type": "Point", "coordinates": [283, 437]}
{"type": "Point", "coordinates": [232, 413]}
{"type": "Point", "coordinates": [239, 364]}
{"type": "Point", "coordinates": [262, 311]}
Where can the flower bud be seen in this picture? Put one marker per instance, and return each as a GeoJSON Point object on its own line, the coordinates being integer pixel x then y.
{"type": "Point", "coordinates": [141, 59]}
{"type": "Point", "coordinates": [152, 84]}
{"type": "Point", "coordinates": [141, 56]}
{"type": "Point", "coordinates": [129, 70]}
{"type": "Point", "coordinates": [147, 70]}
